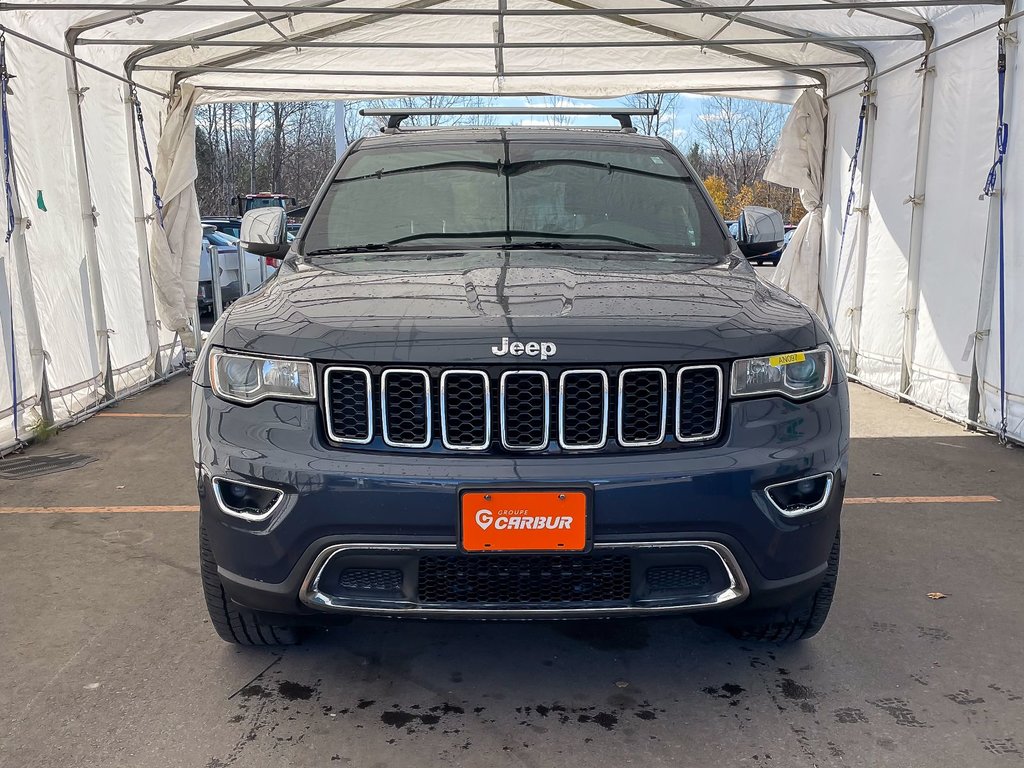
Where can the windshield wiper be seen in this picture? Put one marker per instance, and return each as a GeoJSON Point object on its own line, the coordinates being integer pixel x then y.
{"type": "Point", "coordinates": [494, 166]}
{"type": "Point", "coordinates": [496, 233]}
{"type": "Point", "coordinates": [580, 236]}
{"type": "Point", "coordinates": [349, 249]}
{"type": "Point", "coordinates": [508, 234]}
{"type": "Point", "coordinates": [516, 245]}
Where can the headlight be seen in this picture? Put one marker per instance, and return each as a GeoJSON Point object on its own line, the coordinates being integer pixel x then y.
{"type": "Point", "coordinates": [797, 375]}
{"type": "Point", "coordinates": [249, 379]}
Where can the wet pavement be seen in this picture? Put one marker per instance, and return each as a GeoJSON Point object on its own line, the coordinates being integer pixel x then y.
{"type": "Point", "coordinates": [107, 657]}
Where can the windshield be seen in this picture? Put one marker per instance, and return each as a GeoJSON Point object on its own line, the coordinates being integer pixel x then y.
{"type": "Point", "coordinates": [515, 193]}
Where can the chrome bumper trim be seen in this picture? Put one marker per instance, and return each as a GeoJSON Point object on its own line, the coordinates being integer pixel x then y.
{"type": "Point", "coordinates": [311, 595]}
{"type": "Point", "coordinates": [247, 516]}
{"type": "Point", "coordinates": [807, 509]}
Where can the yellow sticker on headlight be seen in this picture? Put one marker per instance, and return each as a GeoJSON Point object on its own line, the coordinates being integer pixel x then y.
{"type": "Point", "coordinates": [792, 357]}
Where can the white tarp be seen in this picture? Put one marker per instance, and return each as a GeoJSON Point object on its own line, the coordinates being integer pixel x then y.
{"type": "Point", "coordinates": [92, 290]}
{"type": "Point", "coordinates": [176, 241]}
{"type": "Point", "coordinates": [797, 163]}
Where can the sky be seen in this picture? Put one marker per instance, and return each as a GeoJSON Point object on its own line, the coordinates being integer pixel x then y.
{"type": "Point", "coordinates": [687, 107]}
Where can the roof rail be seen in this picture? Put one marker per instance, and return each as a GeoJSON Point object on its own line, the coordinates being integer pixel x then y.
{"type": "Point", "coordinates": [396, 116]}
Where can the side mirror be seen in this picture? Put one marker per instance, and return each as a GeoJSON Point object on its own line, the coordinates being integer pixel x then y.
{"type": "Point", "coordinates": [760, 226]}
{"type": "Point", "coordinates": [264, 232]}
{"type": "Point", "coordinates": [208, 229]}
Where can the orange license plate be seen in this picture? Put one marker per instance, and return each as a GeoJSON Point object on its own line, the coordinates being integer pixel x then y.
{"type": "Point", "coordinates": [524, 521]}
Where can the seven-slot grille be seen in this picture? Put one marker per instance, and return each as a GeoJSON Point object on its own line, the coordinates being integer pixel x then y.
{"type": "Point", "coordinates": [582, 409]}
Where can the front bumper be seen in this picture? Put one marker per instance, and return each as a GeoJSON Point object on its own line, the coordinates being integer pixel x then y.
{"type": "Point", "coordinates": [403, 506]}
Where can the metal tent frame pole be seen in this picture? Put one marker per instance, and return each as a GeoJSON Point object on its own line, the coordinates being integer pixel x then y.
{"type": "Point", "coordinates": [746, 10]}
{"type": "Point", "coordinates": [863, 211]}
{"type": "Point", "coordinates": [77, 60]}
{"type": "Point", "coordinates": [142, 235]}
{"type": "Point", "coordinates": [100, 336]}
{"type": "Point", "coordinates": [276, 45]}
{"type": "Point", "coordinates": [378, 92]}
{"type": "Point", "coordinates": [186, 72]}
{"type": "Point", "coordinates": [912, 301]}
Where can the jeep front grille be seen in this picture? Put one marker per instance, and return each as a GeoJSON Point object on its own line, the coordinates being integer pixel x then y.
{"type": "Point", "coordinates": [549, 409]}
{"type": "Point", "coordinates": [525, 410]}
{"type": "Point", "coordinates": [465, 410]}
{"type": "Point", "coordinates": [405, 408]}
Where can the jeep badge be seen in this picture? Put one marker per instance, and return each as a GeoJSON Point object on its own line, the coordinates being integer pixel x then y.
{"type": "Point", "coordinates": [545, 349]}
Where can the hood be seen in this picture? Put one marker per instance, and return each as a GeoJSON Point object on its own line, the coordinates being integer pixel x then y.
{"type": "Point", "coordinates": [608, 307]}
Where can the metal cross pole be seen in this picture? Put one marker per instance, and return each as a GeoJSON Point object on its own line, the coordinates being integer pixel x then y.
{"type": "Point", "coordinates": [350, 93]}
{"type": "Point", "coordinates": [191, 71]}
{"type": "Point", "coordinates": [197, 328]}
{"type": "Point", "coordinates": [140, 7]}
{"type": "Point", "coordinates": [83, 62]}
{"type": "Point", "coordinates": [243, 277]}
{"type": "Point", "coordinates": [930, 52]}
{"type": "Point", "coordinates": [528, 45]}
{"type": "Point", "coordinates": [218, 300]}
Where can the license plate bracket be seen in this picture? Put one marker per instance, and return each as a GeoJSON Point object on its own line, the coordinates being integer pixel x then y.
{"type": "Point", "coordinates": [524, 521]}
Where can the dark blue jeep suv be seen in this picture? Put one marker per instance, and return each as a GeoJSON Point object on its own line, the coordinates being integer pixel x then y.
{"type": "Point", "coordinates": [518, 373]}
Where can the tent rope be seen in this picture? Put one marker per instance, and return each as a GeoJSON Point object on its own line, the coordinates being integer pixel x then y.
{"type": "Point", "coordinates": [5, 130]}
{"type": "Point", "coordinates": [994, 185]}
{"type": "Point", "coordinates": [140, 121]}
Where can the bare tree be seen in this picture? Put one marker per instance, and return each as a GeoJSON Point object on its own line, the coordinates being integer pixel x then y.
{"type": "Point", "coordinates": [737, 137]}
{"type": "Point", "coordinates": [664, 121]}
{"type": "Point", "coordinates": [734, 140]}
{"type": "Point", "coordinates": [288, 147]}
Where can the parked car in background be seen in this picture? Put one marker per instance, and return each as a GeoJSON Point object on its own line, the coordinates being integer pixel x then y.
{"type": "Point", "coordinates": [760, 234]}
{"type": "Point", "coordinates": [774, 257]}
{"type": "Point", "coordinates": [227, 251]}
{"type": "Point", "coordinates": [230, 225]}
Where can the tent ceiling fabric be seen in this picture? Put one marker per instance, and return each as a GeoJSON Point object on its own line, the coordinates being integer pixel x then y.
{"type": "Point", "coordinates": [909, 268]}
{"type": "Point", "coordinates": [679, 45]}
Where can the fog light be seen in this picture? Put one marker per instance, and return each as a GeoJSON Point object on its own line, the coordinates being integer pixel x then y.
{"type": "Point", "coordinates": [800, 497]}
{"type": "Point", "coordinates": [246, 500]}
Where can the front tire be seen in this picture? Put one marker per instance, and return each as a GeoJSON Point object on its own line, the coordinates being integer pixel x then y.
{"type": "Point", "coordinates": [234, 624]}
{"type": "Point", "coordinates": [799, 621]}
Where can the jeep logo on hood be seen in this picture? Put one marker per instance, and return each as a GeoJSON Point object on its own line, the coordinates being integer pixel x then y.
{"type": "Point", "coordinates": [545, 349]}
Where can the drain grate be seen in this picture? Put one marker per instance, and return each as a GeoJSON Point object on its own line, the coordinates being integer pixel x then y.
{"type": "Point", "coordinates": [24, 467]}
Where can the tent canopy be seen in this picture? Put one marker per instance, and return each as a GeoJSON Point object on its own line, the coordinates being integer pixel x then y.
{"type": "Point", "coordinates": [598, 48]}
{"type": "Point", "coordinates": [919, 279]}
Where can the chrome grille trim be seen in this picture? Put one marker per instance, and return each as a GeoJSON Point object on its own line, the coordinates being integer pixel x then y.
{"type": "Point", "coordinates": [487, 410]}
{"type": "Point", "coordinates": [540, 446]}
{"type": "Point", "coordinates": [561, 409]}
{"type": "Point", "coordinates": [429, 429]}
{"type": "Point", "coordinates": [664, 408]}
{"type": "Point", "coordinates": [327, 404]}
{"type": "Point", "coordinates": [719, 403]}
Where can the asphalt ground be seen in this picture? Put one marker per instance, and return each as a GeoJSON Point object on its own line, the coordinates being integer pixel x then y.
{"type": "Point", "coordinates": [107, 657]}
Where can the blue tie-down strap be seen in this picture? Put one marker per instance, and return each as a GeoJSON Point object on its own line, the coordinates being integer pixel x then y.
{"type": "Point", "coordinates": [994, 186]}
{"type": "Point", "coordinates": [854, 162]}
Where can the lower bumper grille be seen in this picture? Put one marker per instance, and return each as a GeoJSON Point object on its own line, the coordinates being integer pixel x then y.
{"type": "Point", "coordinates": [438, 580]}
{"type": "Point", "coordinates": [677, 578]}
{"type": "Point", "coordinates": [524, 579]}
